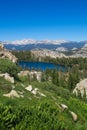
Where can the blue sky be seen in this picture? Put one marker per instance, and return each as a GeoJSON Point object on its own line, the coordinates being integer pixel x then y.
{"type": "Point", "coordinates": [43, 19]}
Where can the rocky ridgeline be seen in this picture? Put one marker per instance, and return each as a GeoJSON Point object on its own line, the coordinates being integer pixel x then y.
{"type": "Point", "coordinates": [4, 53]}
{"type": "Point", "coordinates": [81, 53]}
{"type": "Point", "coordinates": [42, 53]}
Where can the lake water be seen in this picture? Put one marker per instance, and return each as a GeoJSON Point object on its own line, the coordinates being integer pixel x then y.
{"type": "Point", "coordinates": [40, 65]}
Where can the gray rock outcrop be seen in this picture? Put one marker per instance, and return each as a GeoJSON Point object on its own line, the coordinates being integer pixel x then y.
{"type": "Point", "coordinates": [81, 88]}
{"type": "Point", "coordinates": [7, 77]}
{"type": "Point", "coordinates": [81, 53]}
{"type": "Point", "coordinates": [42, 53]}
{"type": "Point", "coordinates": [29, 88]}
{"type": "Point", "coordinates": [12, 94]}
{"type": "Point", "coordinates": [8, 55]}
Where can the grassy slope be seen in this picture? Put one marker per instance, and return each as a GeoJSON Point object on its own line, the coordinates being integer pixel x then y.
{"type": "Point", "coordinates": [55, 96]}
{"type": "Point", "coordinates": [46, 113]}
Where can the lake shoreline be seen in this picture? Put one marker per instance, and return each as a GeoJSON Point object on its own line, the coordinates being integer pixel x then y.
{"type": "Point", "coordinates": [40, 65]}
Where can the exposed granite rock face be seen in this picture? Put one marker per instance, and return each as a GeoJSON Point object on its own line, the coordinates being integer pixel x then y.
{"type": "Point", "coordinates": [81, 87]}
{"type": "Point", "coordinates": [81, 53]}
{"type": "Point", "coordinates": [42, 53]}
{"type": "Point", "coordinates": [7, 54]}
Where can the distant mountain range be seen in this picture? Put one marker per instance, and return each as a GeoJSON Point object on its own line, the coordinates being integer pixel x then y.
{"type": "Point", "coordinates": [58, 45]}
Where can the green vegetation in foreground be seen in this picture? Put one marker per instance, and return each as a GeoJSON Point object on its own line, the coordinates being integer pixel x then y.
{"type": "Point", "coordinates": [6, 66]}
{"type": "Point", "coordinates": [40, 113]}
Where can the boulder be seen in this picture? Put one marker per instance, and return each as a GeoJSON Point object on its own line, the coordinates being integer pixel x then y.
{"type": "Point", "coordinates": [74, 115]}
{"type": "Point", "coordinates": [63, 106]}
{"type": "Point", "coordinates": [29, 88]}
{"type": "Point", "coordinates": [34, 92]}
{"type": "Point", "coordinates": [12, 94]}
{"type": "Point", "coordinates": [7, 77]}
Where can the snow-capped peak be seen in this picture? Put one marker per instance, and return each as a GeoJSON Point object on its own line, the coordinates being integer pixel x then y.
{"type": "Point", "coordinates": [31, 41]}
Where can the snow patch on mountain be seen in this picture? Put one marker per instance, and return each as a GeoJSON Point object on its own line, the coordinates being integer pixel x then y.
{"type": "Point", "coordinates": [31, 41]}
